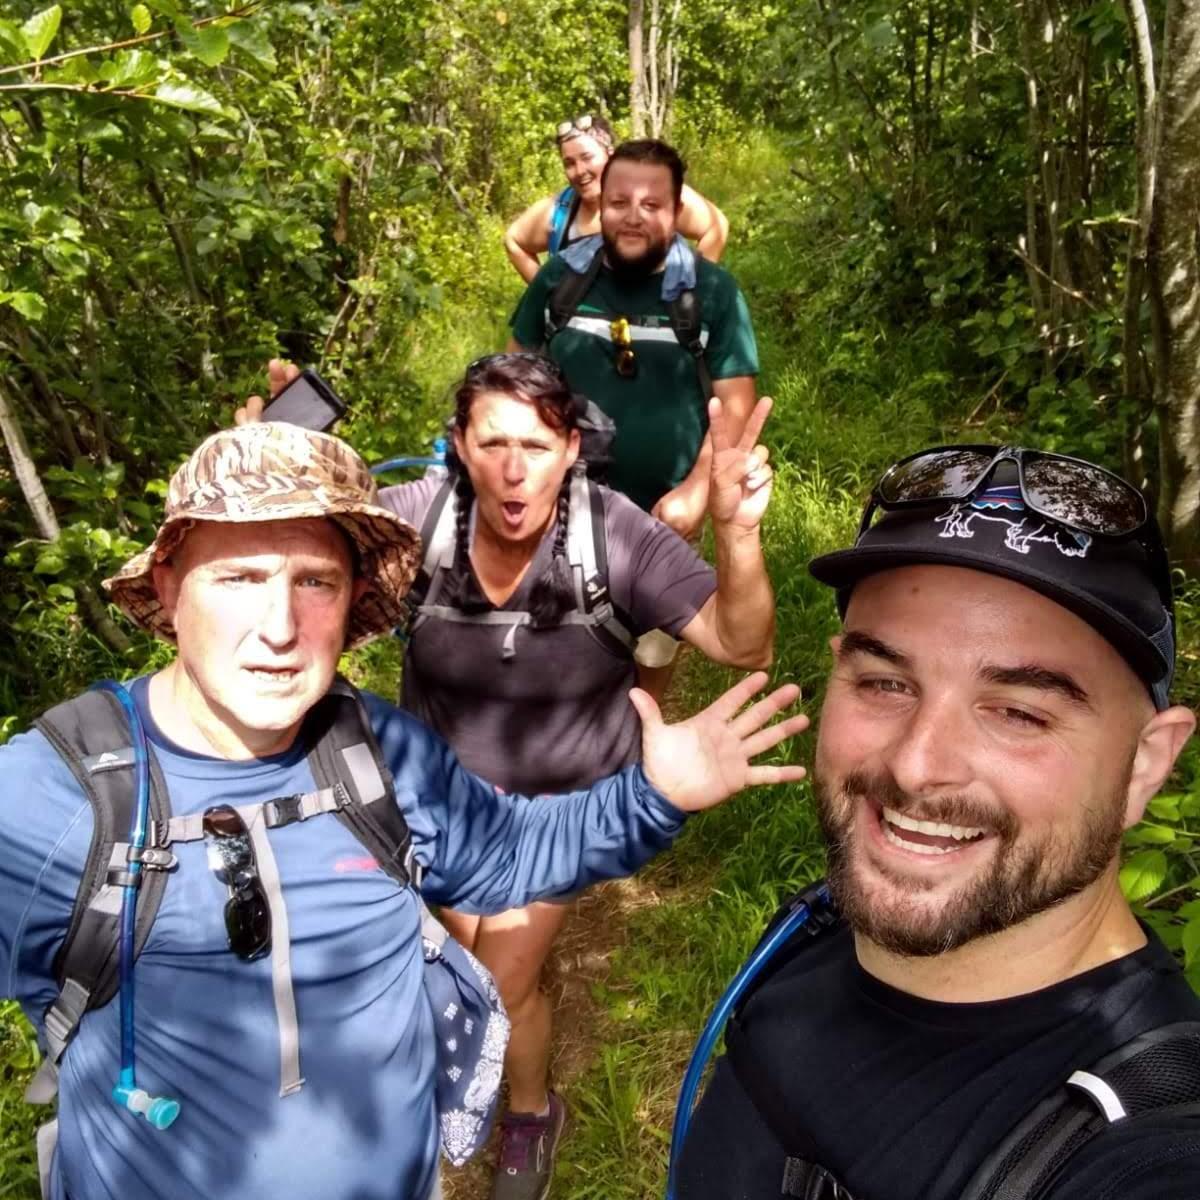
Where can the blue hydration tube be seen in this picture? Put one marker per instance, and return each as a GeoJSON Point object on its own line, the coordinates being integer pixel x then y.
{"type": "Point", "coordinates": [160, 1111]}
{"type": "Point", "coordinates": [716, 1023]}
{"type": "Point", "coordinates": [437, 459]}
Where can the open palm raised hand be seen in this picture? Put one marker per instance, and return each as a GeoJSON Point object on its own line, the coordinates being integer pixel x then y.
{"type": "Point", "coordinates": [740, 478]}
{"type": "Point", "coordinates": [704, 760]}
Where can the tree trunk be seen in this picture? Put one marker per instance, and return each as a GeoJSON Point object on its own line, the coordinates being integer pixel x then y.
{"type": "Point", "coordinates": [30, 482]}
{"type": "Point", "coordinates": [1175, 281]}
{"type": "Point", "coordinates": [1135, 401]}
{"type": "Point", "coordinates": [637, 68]}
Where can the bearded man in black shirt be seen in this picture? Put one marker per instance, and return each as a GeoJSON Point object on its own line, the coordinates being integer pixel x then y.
{"type": "Point", "coordinates": [997, 716]}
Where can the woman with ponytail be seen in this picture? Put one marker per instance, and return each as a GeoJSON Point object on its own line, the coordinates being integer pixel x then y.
{"type": "Point", "coordinates": [532, 699]}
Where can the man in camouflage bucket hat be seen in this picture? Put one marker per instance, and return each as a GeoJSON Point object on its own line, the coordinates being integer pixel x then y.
{"type": "Point", "coordinates": [274, 471]}
{"type": "Point", "coordinates": [311, 1071]}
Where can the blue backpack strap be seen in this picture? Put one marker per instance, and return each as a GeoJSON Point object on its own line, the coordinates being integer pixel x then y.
{"type": "Point", "coordinates": [560, 219]}
{"type": "Point", "coordinates": [91, 736]}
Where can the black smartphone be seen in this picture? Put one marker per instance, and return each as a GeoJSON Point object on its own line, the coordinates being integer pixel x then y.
{"type": "Point", "coordinates": [309, 401]}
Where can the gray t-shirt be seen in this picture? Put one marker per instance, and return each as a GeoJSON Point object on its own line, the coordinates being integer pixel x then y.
{"type": "Point", "coordinates": [556, 716]}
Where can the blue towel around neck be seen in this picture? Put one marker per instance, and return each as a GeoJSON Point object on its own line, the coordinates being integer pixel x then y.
{"type": "Point", "coordinates": [678, 275]}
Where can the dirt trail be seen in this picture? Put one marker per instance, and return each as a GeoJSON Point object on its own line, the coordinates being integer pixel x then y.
{"type": "Point", "coordinates": [580, 959]}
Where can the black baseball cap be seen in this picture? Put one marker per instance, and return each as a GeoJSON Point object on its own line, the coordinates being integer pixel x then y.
{"type": "Point", "coordinates": [1118, 585]}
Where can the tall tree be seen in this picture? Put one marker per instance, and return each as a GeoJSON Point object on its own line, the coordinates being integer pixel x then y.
{"type": "Point", "coordinates": [1169, 146]}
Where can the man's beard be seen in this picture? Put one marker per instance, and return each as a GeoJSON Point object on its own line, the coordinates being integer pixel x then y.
{"type": "Point", "coordinates": [638, 268]}
{"type": "Point", "coordinates": [1025, 877]}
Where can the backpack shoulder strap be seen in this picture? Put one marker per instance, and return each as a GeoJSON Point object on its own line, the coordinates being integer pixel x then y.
{"type": "Point", "coordinates": [687, 325]}
{"type": "Point", "coordinates": [587, 551]}
{"type": "Point", "coordinates": [1156, 1072]}
{"type": "Point", "coordinates": [437, 542]}
{"type": "Point", "coordinates": [91, 735]}
{"type": "Point", "coordinates": [343, 751]}
{"type": "Point", "coordinates": [568, 294]}
{"type": "Point", "coordinates": [560, 219]}
{"type": "Point", "coordinates": [772, 1106]}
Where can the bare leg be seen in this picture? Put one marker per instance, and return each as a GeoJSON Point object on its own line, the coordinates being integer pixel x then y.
{"type": "Point", "coordinates": [514, 946]}
{"type": "Point", "coordinates": [463, 927]}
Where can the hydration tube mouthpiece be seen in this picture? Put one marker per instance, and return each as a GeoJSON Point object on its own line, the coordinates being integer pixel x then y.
{"type": "Point", "coordinates": [159, 1111]}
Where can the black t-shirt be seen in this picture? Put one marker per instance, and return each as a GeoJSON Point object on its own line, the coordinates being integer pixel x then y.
{"type": "Point", "coordinates": [902, 1098]}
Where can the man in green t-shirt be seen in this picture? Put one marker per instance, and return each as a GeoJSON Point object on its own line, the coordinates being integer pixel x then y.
{"type": "Point", "coordinates": [620, 350]}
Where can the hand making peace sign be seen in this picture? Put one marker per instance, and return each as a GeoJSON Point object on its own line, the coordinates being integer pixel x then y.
{"type": "Point", "coordinates": [740, 480]}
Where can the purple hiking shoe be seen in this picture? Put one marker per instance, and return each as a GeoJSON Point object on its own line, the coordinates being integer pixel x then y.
{"type": "Point", "coordinates": [527, 1147]}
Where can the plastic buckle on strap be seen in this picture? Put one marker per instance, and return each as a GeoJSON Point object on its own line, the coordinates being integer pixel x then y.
{"type": "Point", "coordinates": [151, 857]}
{"type": "Point", "coordinates": [805, 1180]}
{"type": "Point", "coordinates": [283, 810]}
{"type": "Point", "coordinates": [63, 1016]}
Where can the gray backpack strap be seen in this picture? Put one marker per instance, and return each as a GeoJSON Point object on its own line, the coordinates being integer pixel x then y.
{"type": "Point", "coordinates": [437, 536]}
{"type": "Point", "coordinates": [688, 327]}
{"type": "Point", "coordinates": [587, 551]}
{"type": "Point", "coordinates": [92, 737]}
{"type": "Point", "coordinates": [343, 750]}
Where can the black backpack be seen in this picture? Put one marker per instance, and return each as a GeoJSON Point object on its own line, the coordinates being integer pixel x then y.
{"type": "Point", "coordinates": [1156, 1072]}
{"type": "Point", "coordinates": [685, 315]}
{"type": "Point", "coordinates": [91, 735]}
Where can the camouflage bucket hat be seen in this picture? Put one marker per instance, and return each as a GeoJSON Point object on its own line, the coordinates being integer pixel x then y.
{"type": "Point", "coordinates": [273, 471]}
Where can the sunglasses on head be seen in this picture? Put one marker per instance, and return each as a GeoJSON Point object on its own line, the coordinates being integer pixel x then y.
{"type": "Point", "coordinates": [1071, 492]}
{"type": "Point", "coordinates": [231, 856]}
{"type": "Point", "coordinates": [622, 338]}
{"type": "Point", "coordinates": [584, 124]}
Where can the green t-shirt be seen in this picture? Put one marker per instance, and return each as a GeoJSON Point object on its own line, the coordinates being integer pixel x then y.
{"type": "Point", "coordinates": [660, 415]}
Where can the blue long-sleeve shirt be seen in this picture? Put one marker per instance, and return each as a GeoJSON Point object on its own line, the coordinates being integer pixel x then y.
{"type": "Point", "coordinates": [363, 1127]}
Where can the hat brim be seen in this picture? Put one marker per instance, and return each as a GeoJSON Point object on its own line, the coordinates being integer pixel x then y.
{"type": "Point", "coordinates": [389, 552]}
{"type": "Point", "coordinates": [842, 569]}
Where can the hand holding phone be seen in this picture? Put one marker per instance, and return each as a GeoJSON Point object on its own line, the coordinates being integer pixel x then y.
{"type": "Point", "coordinates": [308, 401]}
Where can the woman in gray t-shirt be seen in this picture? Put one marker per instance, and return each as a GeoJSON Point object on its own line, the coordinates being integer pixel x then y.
{"type": "Point", "coordinates": [514, 658]}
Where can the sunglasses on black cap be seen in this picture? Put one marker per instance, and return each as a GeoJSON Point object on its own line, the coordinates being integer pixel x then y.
{"type": "Point", "coordinates": [231, 855]}
{"type": "Point", "coordinates": [1073, 493]}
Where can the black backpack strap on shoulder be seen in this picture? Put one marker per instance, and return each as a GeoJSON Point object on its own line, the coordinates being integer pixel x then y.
{"type": "Point", "coordinates": [688, 327]}
{"type": "Point", "coordinates": [91, 735]}
{"type": "Point", "coordinates": [568, 294]}
{"type": "Point", "coordinates": [823, 918]}
{"type": "Point", "coordinates": [802, 1176]}
{"type": "Point", "coordinates": [1158, 1071]}
{"type": "Point", "coordinates": [343, 751]}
